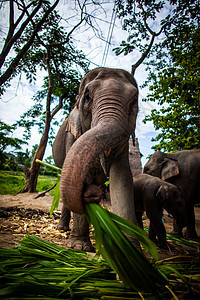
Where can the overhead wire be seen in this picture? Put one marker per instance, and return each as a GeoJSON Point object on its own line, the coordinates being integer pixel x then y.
{"type": "Point", "coordinates": [109, 36]}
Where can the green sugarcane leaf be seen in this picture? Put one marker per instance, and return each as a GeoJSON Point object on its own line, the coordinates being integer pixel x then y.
{"type": "Point", "coordinates": [56, 197]}
{"type": "Point", "coordinates": [131, 265]}
{"type": "Point", "coordinates": [169, 270]}
{"type": "Point", "coordinates": [136, 232]}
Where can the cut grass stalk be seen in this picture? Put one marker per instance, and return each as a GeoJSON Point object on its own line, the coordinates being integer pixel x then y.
{"type": "Point", "coordinates": [127, 261]}
{"type": "Point", "coordinates": [85, 278]}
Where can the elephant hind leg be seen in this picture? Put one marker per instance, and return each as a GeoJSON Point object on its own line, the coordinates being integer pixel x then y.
{"type": "Point", "coordinates": [177, 230]}
{"type": "Point", "coordinates": [190, 232]}
{"type": "Point", "coordinates": [152, 233]}
{"type": "Point", "coordinates": [139, 218]}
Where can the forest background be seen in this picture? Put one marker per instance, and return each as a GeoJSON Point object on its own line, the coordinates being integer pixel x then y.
{"type": "Point", "coordinates": [157, 40]}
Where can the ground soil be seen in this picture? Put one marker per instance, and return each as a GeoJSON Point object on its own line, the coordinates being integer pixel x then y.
{"type": "Point", "coordinates": [23, 214]}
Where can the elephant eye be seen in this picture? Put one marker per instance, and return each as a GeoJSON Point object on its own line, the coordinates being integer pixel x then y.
{"type": "Point", "coordinates": [87, 99]}
{"type": "Point", "coordinates": [131, 105]}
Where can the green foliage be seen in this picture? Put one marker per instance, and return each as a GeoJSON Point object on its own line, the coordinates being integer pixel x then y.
{"type": "Point", "coordinates": [10, 184]}
{"type": "Point", "coordinates": [135, 17]}
{"type": "Point", "coordinates": [173, 62]}
{"type": "Point", "coordinates": [66, 64]}
{"type": "Point", "coordinates": [127, 261]}
{"type": "Point", "coordinates": [13, 182]}
{"type": "Point", "coordinates": [45, 182]}
{"type": "Point", "coordinates": [176, 90]}
{"type": "Point", "coordinates": [6, 140]}
{"type": "Point", "coordinates": [37, 267]}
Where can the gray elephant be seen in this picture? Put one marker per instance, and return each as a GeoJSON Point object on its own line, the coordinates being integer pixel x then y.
{"type": "Point", "coordinates": [104, 116]}
{"type": "Point", "coordinates": [151, 194]}
{"type": "Point", "coordinates": [67, 135]}
{"type": "Point", "coordinates": [183, 170]}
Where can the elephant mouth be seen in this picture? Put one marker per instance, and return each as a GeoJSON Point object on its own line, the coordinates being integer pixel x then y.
{"type": "Point", "coordinates": [79, 160]}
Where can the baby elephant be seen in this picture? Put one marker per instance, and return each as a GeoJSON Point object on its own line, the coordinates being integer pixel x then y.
{"type": "Point", "coordinates": [153, 195]}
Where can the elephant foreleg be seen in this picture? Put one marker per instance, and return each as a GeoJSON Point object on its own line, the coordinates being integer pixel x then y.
{"type": "Point", "coordinates": [64, 219]}
{"type": "Point", "coordinates": [79, 237]}
{"type": "Point", "coordinates": [121, 190]}
{"type": "Point", "coordinates": [157, 228]}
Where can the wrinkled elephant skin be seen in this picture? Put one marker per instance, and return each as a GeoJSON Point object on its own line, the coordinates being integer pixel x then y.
{"type": "Point", "coordinates": [105, 114]}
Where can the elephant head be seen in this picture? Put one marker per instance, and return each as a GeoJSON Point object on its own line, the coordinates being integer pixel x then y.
{"type": "Point", "coordinates": [161, 165]}
{"type": "Point", "coordinates": [108, 105]}
{"type": "Point", "coordinates": [172, 201]}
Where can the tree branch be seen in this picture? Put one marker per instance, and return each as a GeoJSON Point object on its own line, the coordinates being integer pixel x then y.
{"type": "Point", "coordinates": [143, 56]}
{"type": "Point", "coordinates": [57, 108]}
{"type": "Point", "coordinates": [16, 60]}
{"type": "Point", "coordinates": [153, 35]}
{"type": "Point", "coordinates": [10, 42]}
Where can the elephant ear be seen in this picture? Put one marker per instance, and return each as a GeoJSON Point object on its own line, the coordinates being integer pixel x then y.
{"type": "Point", "coordinates": [74, 124]}
{"type": "Point", "coordinates": [162, 194]}
{"type": "Point", "coordinates": [58, 146]}
{"type": "Point", "coordinates": [69, 131]}
{"type": "Point", "coordinates": [170, 168]}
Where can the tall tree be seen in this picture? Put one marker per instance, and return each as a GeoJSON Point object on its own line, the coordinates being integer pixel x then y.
{"type": "Point", "coordinates": [176, 87]}
{"type": "Point", "coordinates": [172, 62]}
{"type": "Point", "coordinates": [140, 18]}
{"type": "Point", "coordinates": [21, 14]}
{"type": "Point", "coordinates": [53, 52]}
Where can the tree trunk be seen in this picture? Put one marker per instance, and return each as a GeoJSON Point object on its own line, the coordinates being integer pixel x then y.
{"type": "Point", "coordinates": [31, 175]}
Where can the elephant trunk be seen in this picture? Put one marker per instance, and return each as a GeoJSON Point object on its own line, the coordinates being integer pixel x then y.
{"type": "Point", "coordinates": [81, 157]}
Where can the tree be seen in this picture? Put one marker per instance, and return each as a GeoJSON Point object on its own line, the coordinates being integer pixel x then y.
{"type": "Point", "coordinates": [173, 65]}
{"type": "Point", "coordinates": [49, 48]}
{"type": "Point", "coordinates": [6, 140]}
{"type": "Point", "coordinates": [176, 87]}
{"type": "Point", "coordinates": [22, 14]}
{"type": "Point", "coordinates": [53, 52]}
{"type": "Point", "coordinates": [136, 16]}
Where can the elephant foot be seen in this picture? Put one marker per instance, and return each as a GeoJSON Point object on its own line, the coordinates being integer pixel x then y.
{"type": "Point", "coordinates": [177, 233]}
{"type": "Point", "coordinates": [191, 235]}
{"type": "Point", "coordinates": [80, 243]}
{"type": "Point", "coordinates": [62, 227]}
{"type": "Point", "coordinates": [163, 245]}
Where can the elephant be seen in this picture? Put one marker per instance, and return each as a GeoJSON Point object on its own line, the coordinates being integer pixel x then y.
{"type": "Point", "coordinates": [66, 136]}
{"type": "Point", "coordinates": [152, 194]}
{"type": "Point", "coordinates": [182, 169]}
{"type": "Point", "coordinates": [95, 146]}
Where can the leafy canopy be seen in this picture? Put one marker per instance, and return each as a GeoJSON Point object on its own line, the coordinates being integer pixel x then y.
{"type": "Point", "coordinates": [176, 87]}
{"type": "Point", "coordinates": [168, 31]}
{"type": "Point", "coordinates": [66, 67]}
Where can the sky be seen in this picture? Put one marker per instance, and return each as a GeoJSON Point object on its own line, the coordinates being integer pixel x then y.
{"type": "Point", "coordinates": [18, 98]}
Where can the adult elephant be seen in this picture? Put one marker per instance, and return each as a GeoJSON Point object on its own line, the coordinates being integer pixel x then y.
{"type": "Point", "coordinates": [181, 168]}
{"type": "Point", "coordinates": [106, 110]}
{"type": "Point", "coordinates": [152, 194]}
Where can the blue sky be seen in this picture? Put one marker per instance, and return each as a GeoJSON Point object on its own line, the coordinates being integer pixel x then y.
{"type": "Point", "coordinates": [18, 97]}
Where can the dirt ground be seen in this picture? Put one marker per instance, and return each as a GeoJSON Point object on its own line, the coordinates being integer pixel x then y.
{"type": "Point", "coordinates": [23, 214]}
